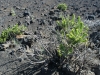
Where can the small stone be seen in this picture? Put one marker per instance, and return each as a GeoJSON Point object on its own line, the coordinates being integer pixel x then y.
{"type": "Point", "coordinates": [27, 20]}
{"type": "Point", "coordinates": [42, 22]}
{"type": "Point", "coordinates": [19, 22]}
{"type": "Point", "coordinates": [50, 22]}
{"type": "Point", "coordinates": [67, 69]}
{"type": "Point", "coordinates": [20, 15]}
{"type": "Point", "coordinates": [98, 16]}
{"type": "Point", "coordinates": [56, 10]}
{"type": "Point", "coordinates": [35, 33]}
{"type": "Point", "coordinates": [45, 14]}
{"type": "Point", "coordinates": [97, 11]}
{"type": "Point", "coordinates": [84, 72]}
{"type": "Point", "coordinates": [35, 40]}
{"type": "Point", "coordinates": [55, 18]}
{"type": "Point", "coordinates": [12, 53]}
{"type": "Point", "coordinates": [51, 12]}
{"type": "Point", "coordinates": [90, 17]}
{"type": "Point", "coordinates": [94, 5]}
{"type": "Point", "coordinates": [26, 13]}
{"type": "Point", "coordinates": [27, 41]}
{"type": "Point", "coordinates": [76, 8]}
{"type": "Point", "coordinates": [27, 33]}
{"type": "Point", "coordinates": [43, 2]}
{"type": "Point", "coordinates": [2, 48]}
{"type": "Point", "coordinates": [1, 73]}
{"type": "Point", "coordinates": [58, 28]}
{"type": "Point", "coordinates": [90, 73]}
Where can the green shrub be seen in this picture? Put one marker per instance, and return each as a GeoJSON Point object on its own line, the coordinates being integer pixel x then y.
{"type": "Point", "coordinates": [73, 33]}
{"type": "Point", "coordinates": [12, 12]}
{"type": "Point", "coordinates": [62, 6]}
{"type": "Point", "coordinates": [10, 33]}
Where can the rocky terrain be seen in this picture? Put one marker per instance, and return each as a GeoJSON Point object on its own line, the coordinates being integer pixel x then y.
{"type": "Point", "coordinates": [34, 54]}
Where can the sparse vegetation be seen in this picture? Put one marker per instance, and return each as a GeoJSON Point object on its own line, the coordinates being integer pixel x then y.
{"type": "Point", "coordinates": [62, 6]}
{"type": "Point", "coordinates": [12, 12]}
{"type": "Point", "coordinates": [73, 32]}
{"type": "Point", "coordinates": [10, 33]}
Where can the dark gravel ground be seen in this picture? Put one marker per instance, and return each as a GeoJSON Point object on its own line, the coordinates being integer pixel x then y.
{"type": "Point", "coordinates": [40, 17]}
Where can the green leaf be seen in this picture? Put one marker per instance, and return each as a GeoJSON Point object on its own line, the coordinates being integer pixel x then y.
{"type": "Point", "coordinates": [70, 50]}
